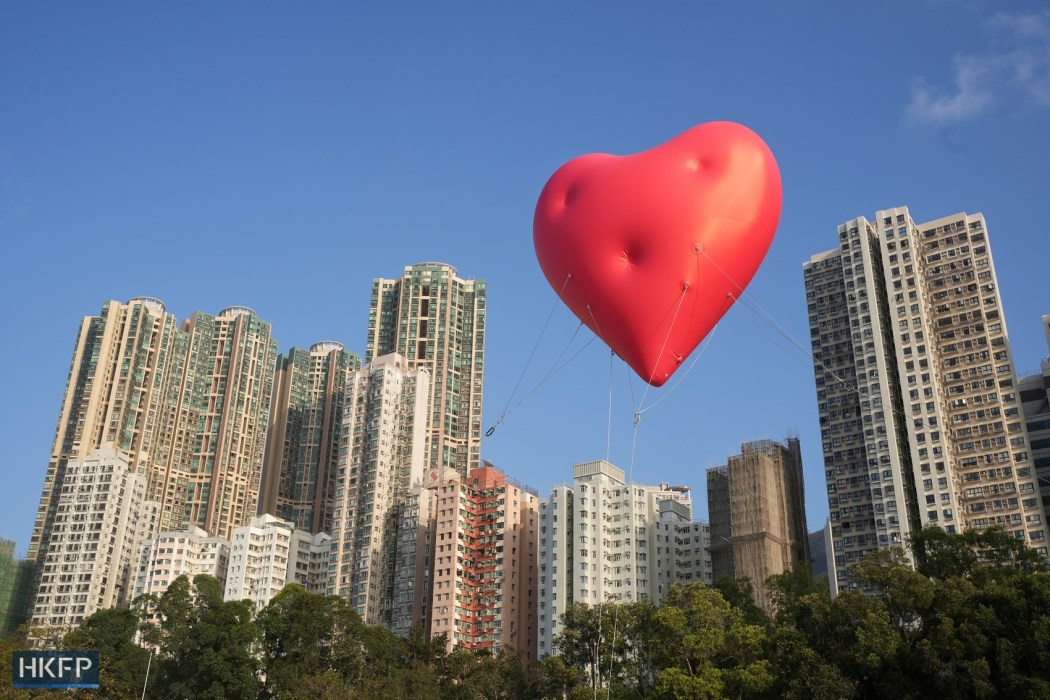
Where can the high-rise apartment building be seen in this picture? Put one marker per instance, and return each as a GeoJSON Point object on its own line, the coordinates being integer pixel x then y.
{"type": "Point", "coordinates": [188, 405]}
{"type": "Point", "coordinates": [416, 519]}
{"type": "Point", "coordinates": [111, 399]}
{"type": "Point", "coordinates": [302, 448]}
{"type": "Point", "coordinates": [437, 321]}
{"type": "Point", "coordinates": [756, 504]}
{"type": "Point", "coordinates": [485, 562]}
{"type": "Point", "coordinates": [188, 552]}
{"type": "Point", "coordinates": [102, 520]}
{"type": "Point", "coordinates": [381, 456]}
{"type": "Point", "coordinates": [230, 363]}
{"type": "Point", "coordinates": [1035, 398]}
{"type": "Point", "coordinates": [604, 540]}
{"type": "Point", "coordinates": [920, 412]}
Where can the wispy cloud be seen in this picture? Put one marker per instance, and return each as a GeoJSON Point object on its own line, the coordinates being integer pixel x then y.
{"type": "Point", "coordinates": [971, 95]}
{"type": "Point", "coordinates": [980, 80]}
{"type": "Point", "coordinates": [1030, 26]}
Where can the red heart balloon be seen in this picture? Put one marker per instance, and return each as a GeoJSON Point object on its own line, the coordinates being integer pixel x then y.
{"type": "Point", "coordinates": [650, 250]}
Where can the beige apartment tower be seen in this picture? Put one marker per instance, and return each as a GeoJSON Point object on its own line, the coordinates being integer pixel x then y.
{"type": "Point", "coordinates": [436, 320]}
{"type": "Point", "coordinates": [187, 404]}
{"type": "Point", "coordinates": [917, 392]}
{"type": "Point", "coordinates": [120, 359]}
{"type": "Point", "coordinates": [302, 448]}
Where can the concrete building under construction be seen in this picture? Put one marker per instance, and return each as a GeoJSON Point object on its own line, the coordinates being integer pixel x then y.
{"type": "Point", "coordinates": [757, 508]}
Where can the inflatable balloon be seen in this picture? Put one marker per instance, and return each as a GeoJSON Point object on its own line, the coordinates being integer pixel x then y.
{"type": "Point", "coordinates": [650, 250]}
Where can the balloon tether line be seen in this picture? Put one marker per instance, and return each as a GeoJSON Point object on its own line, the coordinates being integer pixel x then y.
{"type": "Point", "coordinates": [555, 368]}
{"type": "Point", "coordinates": [667, 338]}
{"type": "Point", "coordinates": [749, 301]}
{"type": "Point", "coordinates": [681, 378]}
{"type": "Point", "coordinates": [707, 344]}
{"type": "Point", "coordinates": [608, 428]}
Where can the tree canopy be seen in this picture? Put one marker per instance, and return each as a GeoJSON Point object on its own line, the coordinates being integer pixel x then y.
{"type": "Point", "coordinates": [971, 619]}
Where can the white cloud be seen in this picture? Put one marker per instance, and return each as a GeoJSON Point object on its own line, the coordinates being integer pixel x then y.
{"type": "Point", "coordinates": [1031, 73]}
{"type": "Point", "coordinates": [1033, 26]}
{"type": "Point", "coordinates": [981, 80]}
{"type": "Point", "coordinates": [971, 96]}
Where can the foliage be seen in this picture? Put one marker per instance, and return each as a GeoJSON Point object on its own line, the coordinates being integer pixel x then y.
{"type": "Point", "coordinates": [206, 646]}
{"type": "Point", "coordinates": [970, 620]}
{"type": "Point", "coordinates": [122, 661]}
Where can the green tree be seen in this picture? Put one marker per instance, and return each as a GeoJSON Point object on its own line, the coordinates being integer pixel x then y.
{"type": "Point", "coordinates": [300, 632]}
{"type": "Point", "coordinates": [122, 661]}
{"type": "Point", "coordinates": [907, 593]}
{"type": "Point", "coordinates": [581, 643]}
{"type": "Point", "coordinates": [8, 645]}
{"type": "Point", "coordinates": [740, 593]}
{"type": "Point", "coordinates": [612, 645]}
{"type": "Point", "coordinates": [401, 682]}
{"type": "Point", "coordinates": [208, 646]}
{"type": "Point", "coordinates": [708, 647]}
{"type": "Point", "coordinates": [557, 678]}
{"type": "Point", "coordinates": [787, 589]}
{"type": "Point", "coordinates": [801, 672]}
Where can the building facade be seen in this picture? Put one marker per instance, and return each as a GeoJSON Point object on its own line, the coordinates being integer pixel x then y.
{"type": "Point", "coordinates": [485, 562]}
{"type": "Point", "coordinates": [603, 540]}
{"type": "Point", "coordinates": [756, 503]}
{"type": "Point", "coordinates": [102, 520]}
{"type": "Point", "coordinates": [416, 520]}
{"type": "Point", "coordinates": [1035, 398]}
{"type": "Point", "coordinates": [188, 552]}
{"type": "Point", "coordinates": [916, 388]}
{"type": "Point", "coordinates": [187, 404]}
{"type": "Point", "coordinates": [692, 551]}
{"type": "Point", "coordinates": [381, 455]}
{"type": "Point", "coordinates": [267, 554]}
{"type": "Point", "coordinates": [436, 320]}
{"type": "Point", "coordinates": [230, 364]}
{"type": "Point", "coordinates": [302, 448]}
{"type": "Point", "coordinates": [111, 400]}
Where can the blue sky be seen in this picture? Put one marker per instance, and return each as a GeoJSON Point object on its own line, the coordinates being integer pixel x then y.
{"type": "Point", "coordinates": [281, 156]}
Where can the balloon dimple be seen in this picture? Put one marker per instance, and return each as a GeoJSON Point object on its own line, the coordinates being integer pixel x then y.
{"type": "Point", "coordinates": [570, 194]}
{"type": "Point", "coordinates": [630, 256]}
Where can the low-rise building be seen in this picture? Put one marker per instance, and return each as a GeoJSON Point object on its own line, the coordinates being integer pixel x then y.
{"type": "Point", "coordinates": [269, 553]}
{"type": "Point", "coordinates": [188, 552]}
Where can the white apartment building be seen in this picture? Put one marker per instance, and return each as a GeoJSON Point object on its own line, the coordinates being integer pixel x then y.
{"type": "Point", "coordinates": [101, 520]}
{"type": "Point", "coordinates": [604, 540]}
{"type": "Point", "coordinates": [692, 553]}
{"type": "Point", "coordinates": [916, 387]}
{"type": "Point", "coordinates": [317, 566]}
{"type": "Point", "coordinates": [188, 552]}
{"type": "Point", "coordinates": [269, 553]}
